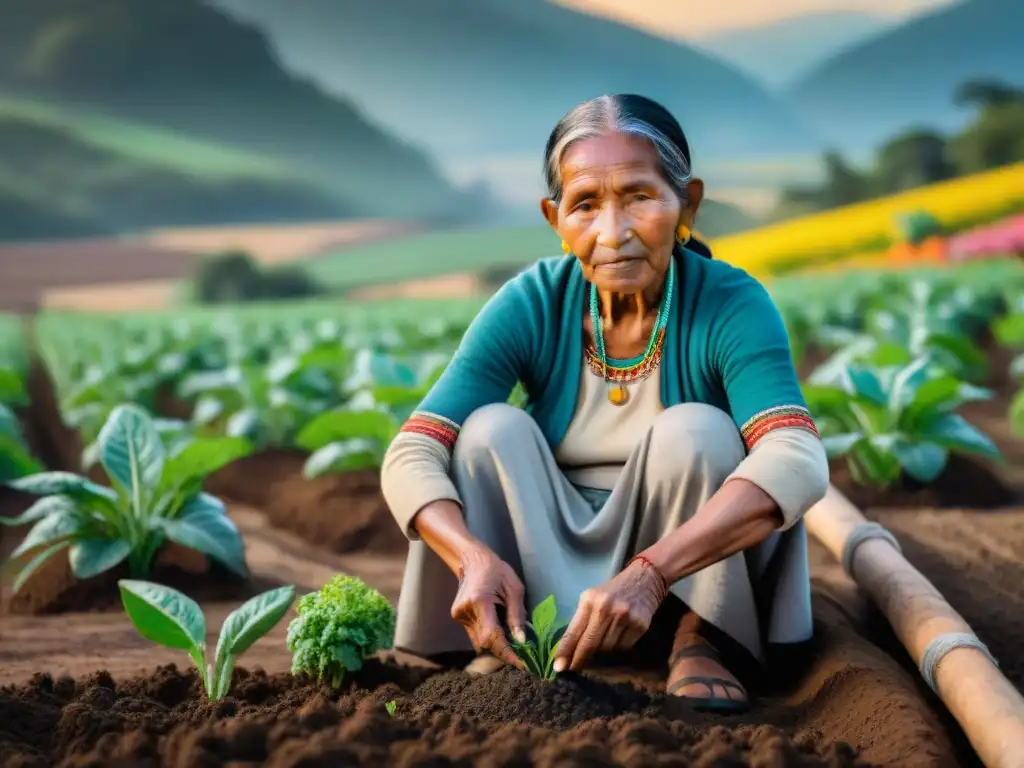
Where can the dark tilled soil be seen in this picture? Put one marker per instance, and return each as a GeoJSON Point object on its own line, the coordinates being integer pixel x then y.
{"type": "Point", "coordinates": [850, 706]}
{"type": "Point", "coordinates": [341, 513]}
{"type": "Point", "coordinates": [966, 482]}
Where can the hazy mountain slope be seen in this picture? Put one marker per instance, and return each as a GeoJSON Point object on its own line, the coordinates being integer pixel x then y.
{"type": "Point", "coordinates": [186, 65]}
{"type": "Point", "coordinates": [907, 76]}
{"type": "Point", "coordinates": [479, 77]}
{"type": "Point", "coordinates": [779, 53]}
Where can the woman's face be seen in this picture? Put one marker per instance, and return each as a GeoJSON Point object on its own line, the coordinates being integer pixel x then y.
{"type": "Point", "coordinates": [618, 214]}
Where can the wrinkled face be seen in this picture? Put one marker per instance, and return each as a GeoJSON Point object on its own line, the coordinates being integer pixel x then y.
{"type": "Point", "coordinates": [618, 214]}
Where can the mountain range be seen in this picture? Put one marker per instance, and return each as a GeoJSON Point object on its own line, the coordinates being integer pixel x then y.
{"type": "Point", "coordinates": [779, 53]}
{"type": "Point", "coordinates": [187, 67]}
{"type": "Point", "coordinates": [477, 78]}
{"type": "Point", "coordinates": [906, 76]}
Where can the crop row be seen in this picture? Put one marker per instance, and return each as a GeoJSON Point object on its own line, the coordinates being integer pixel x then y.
{"type": "Point", "coordinates": [899, 353]}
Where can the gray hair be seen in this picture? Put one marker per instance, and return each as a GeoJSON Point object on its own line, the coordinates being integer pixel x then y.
{"type": "Point", "coordinates": [632, 115]}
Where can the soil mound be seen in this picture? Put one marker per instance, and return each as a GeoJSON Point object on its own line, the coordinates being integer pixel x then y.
{"type": "Point", "coordinates": [341, 513]}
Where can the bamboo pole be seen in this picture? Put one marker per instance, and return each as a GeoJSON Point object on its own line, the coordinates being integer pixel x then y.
{"type": "Point", "coordinates": [987, 706]}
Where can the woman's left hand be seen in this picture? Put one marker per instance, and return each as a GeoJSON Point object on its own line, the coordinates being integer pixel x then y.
{"type": "Point", "coordinates": [611, 617]}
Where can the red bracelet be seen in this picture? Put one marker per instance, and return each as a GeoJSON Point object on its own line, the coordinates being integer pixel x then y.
{"type": "Point", "coordinates": [647, 561]}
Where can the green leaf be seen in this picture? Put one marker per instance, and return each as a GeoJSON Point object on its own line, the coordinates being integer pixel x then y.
{"type": "Point", "coordinates": [64, 483]}
{"type": "Point", "coordinates": [253, 620]}
{"type": "Point", "coordinates": [954, 432]}
{"type": "Point", "coordinates": [131, 451]}
{"type": "Point", "coordinates": [48, 505]}
{"type": "Point", "coordinates": [922, 461]}
{"type": "Point", "coordinates": [346, 456]}
{"type": "Point", "coordinates": [61, 524]}
{"type": "Point", "coordinates": [544, 615]}
{"type": "Point", "coordinates": [971, 361]}
{"type": "Point", "coordinates": [906, 383]}
{"type": "Point", "coordinates": [1017, 414]}
{"type": "Point", "coordinates": [245, 423]}
{"type": "Point", "coordinates": [163, 615]}
{"type": "Point", "coordinates": [840, 445]}
{"type": "Point", "coordinates": [36, 563]}
{"type": "Point", "coordinates": [204, 526]}
{"type": "Point", "coordinates": [207, 409]}
{"type": "Point", "coordinates": [91, 557]}
{"type": "Point", "coordinates": [15, 460]}
{"type": "Point", "coordinates": [864, 383]}
{"type": "Point", "coordinates": [342, 424]}
{"type": "Point", "coordinates": [1009, 331]}
{"type": "Point", "coordinates": [203, 457]}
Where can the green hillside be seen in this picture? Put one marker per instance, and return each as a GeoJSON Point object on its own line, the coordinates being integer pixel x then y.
{"type": "Point", "coordinates": [905, 77]}
{"type": "Point", "coordinates": [474, 78]}
{"type": "Point", "coordinates": [66, 174]}
{"type": "Point", "coordinates": [188, 69]}
{"type": "Point", "coordinates": [780, 52]}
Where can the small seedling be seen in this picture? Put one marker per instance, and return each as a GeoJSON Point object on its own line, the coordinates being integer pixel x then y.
{"type": "Point", "coordinates": [171, 619]}
{"type": "Point", "coordinates": [538, 652]}
{"type": "Point", "coordinates": [338, 627]}
{"type": "Point", "coordinates": [391, 707]}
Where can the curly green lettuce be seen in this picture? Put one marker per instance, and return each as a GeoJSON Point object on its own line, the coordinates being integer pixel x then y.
{"type": "Point", "coordinates": [338, 627]}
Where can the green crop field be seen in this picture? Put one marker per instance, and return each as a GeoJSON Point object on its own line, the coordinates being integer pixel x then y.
{"type": "Point", "coordinates": [337, 378]}
{"type": "Point", "coordinates": [432, 255]}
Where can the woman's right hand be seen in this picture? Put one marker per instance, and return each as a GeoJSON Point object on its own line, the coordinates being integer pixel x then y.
{"type": "Point", "coordinates": [485, 582]}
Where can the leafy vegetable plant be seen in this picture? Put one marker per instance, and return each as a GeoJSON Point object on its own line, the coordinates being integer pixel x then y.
{"type": "Point", "coordinates": [895, 420]}
{"type": "Point", "coordinates": [538, 652]}
{"type": "Point", "coordinates": [338, 627]}
{"type": "Point", "coordinates": [169, 618]}
{"type": "Point", "coordinates": [154, 498]}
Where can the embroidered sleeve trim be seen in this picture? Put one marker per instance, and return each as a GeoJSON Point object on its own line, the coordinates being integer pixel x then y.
{"type": "Point", "coordinates": [445, 431]}
{"type": "Point", "coordinates": [779, 417]}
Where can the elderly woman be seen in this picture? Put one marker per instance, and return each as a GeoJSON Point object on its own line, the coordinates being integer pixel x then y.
{"type": "Point", "coordinates": [665, 447]}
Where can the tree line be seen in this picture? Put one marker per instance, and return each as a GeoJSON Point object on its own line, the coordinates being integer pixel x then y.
{"type": "Point", "coordinates": [920, 156]}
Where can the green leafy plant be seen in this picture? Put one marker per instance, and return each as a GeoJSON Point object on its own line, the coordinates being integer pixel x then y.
{"type": "Point", "coordinates": [338, 627]}
{"type": "Point", "coordinates": [153, 498]}
{"type": "Point", "coordinates": [15, 458]}
{"type": "Point", "coordinates": [544, 632]}
{"type": "Point", "coordinates": [391, 707]}
{"type": "Point", "coordinates": [895, 420]}
{"type": "Point", "coordinates": [169, 618]}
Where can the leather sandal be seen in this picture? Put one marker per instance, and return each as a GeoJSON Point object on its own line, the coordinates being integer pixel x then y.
{"type": "Point", "coordinates": [713, 703]}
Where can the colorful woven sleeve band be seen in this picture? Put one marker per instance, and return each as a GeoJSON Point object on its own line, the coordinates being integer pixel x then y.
{"type": "Point", "coordinates": [445, 431]}
{"type": "Point", "coordinates": [780, 417]}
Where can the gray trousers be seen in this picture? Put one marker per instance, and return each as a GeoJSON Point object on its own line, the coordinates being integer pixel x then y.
{"type": "Point", "coordinates": [562, 541]}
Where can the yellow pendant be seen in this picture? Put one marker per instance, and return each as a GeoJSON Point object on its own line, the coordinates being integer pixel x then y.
{"type": "Point", "coordinates": [618, 395]}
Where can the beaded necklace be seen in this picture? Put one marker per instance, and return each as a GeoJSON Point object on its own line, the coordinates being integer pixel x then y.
{"type": "Point", "coordinates": [618, 394]}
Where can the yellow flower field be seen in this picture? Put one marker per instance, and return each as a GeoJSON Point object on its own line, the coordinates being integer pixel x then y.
{"type": "Point", "coordinates": [854, 226]}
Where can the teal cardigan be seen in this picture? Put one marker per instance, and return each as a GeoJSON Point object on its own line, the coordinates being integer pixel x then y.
{"type": "Point", "coordinates": [725, 345]}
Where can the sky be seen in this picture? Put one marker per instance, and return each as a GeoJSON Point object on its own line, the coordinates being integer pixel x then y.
{"type": "Point", "coordinates": [693, 19]}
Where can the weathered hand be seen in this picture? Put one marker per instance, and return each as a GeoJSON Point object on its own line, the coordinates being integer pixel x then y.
{"type": "Point", "coordinates": [485, 582]}
{"type": "Point", "coordinates": [612, 616]}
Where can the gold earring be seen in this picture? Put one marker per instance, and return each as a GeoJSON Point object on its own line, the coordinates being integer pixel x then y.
{"type": "Point", "coordinates": [565, 248]}
{"type": "Point", "coordinates": [683, 234]}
